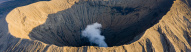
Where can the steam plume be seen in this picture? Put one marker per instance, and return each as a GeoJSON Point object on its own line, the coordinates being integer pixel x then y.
{"type": "Point", "coordinates": [93, 33]}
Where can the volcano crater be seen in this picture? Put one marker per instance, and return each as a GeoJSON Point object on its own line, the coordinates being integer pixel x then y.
{"type": "Point", "coordinates": [121, 23]}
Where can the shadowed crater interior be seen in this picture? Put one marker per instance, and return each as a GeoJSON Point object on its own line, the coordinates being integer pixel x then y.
{"type": "Point", "coordinates": [121, 21]}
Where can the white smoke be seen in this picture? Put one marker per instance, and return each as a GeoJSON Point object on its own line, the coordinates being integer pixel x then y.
{"type": "Point", "coordinates": [93, 33]}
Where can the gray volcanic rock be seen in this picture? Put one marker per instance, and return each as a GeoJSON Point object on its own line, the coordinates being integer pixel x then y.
{"type": "Point", "coordinates": [128, 25]}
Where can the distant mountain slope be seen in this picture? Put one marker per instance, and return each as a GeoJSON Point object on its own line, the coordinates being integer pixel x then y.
{"type": "Point", "coordinates": [8, 5]}
{"type": "Point", "coordinates": [1, 1]}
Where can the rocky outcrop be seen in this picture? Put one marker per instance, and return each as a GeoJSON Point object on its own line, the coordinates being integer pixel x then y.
{"type": "Point", "coordinates": [32, 26]}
